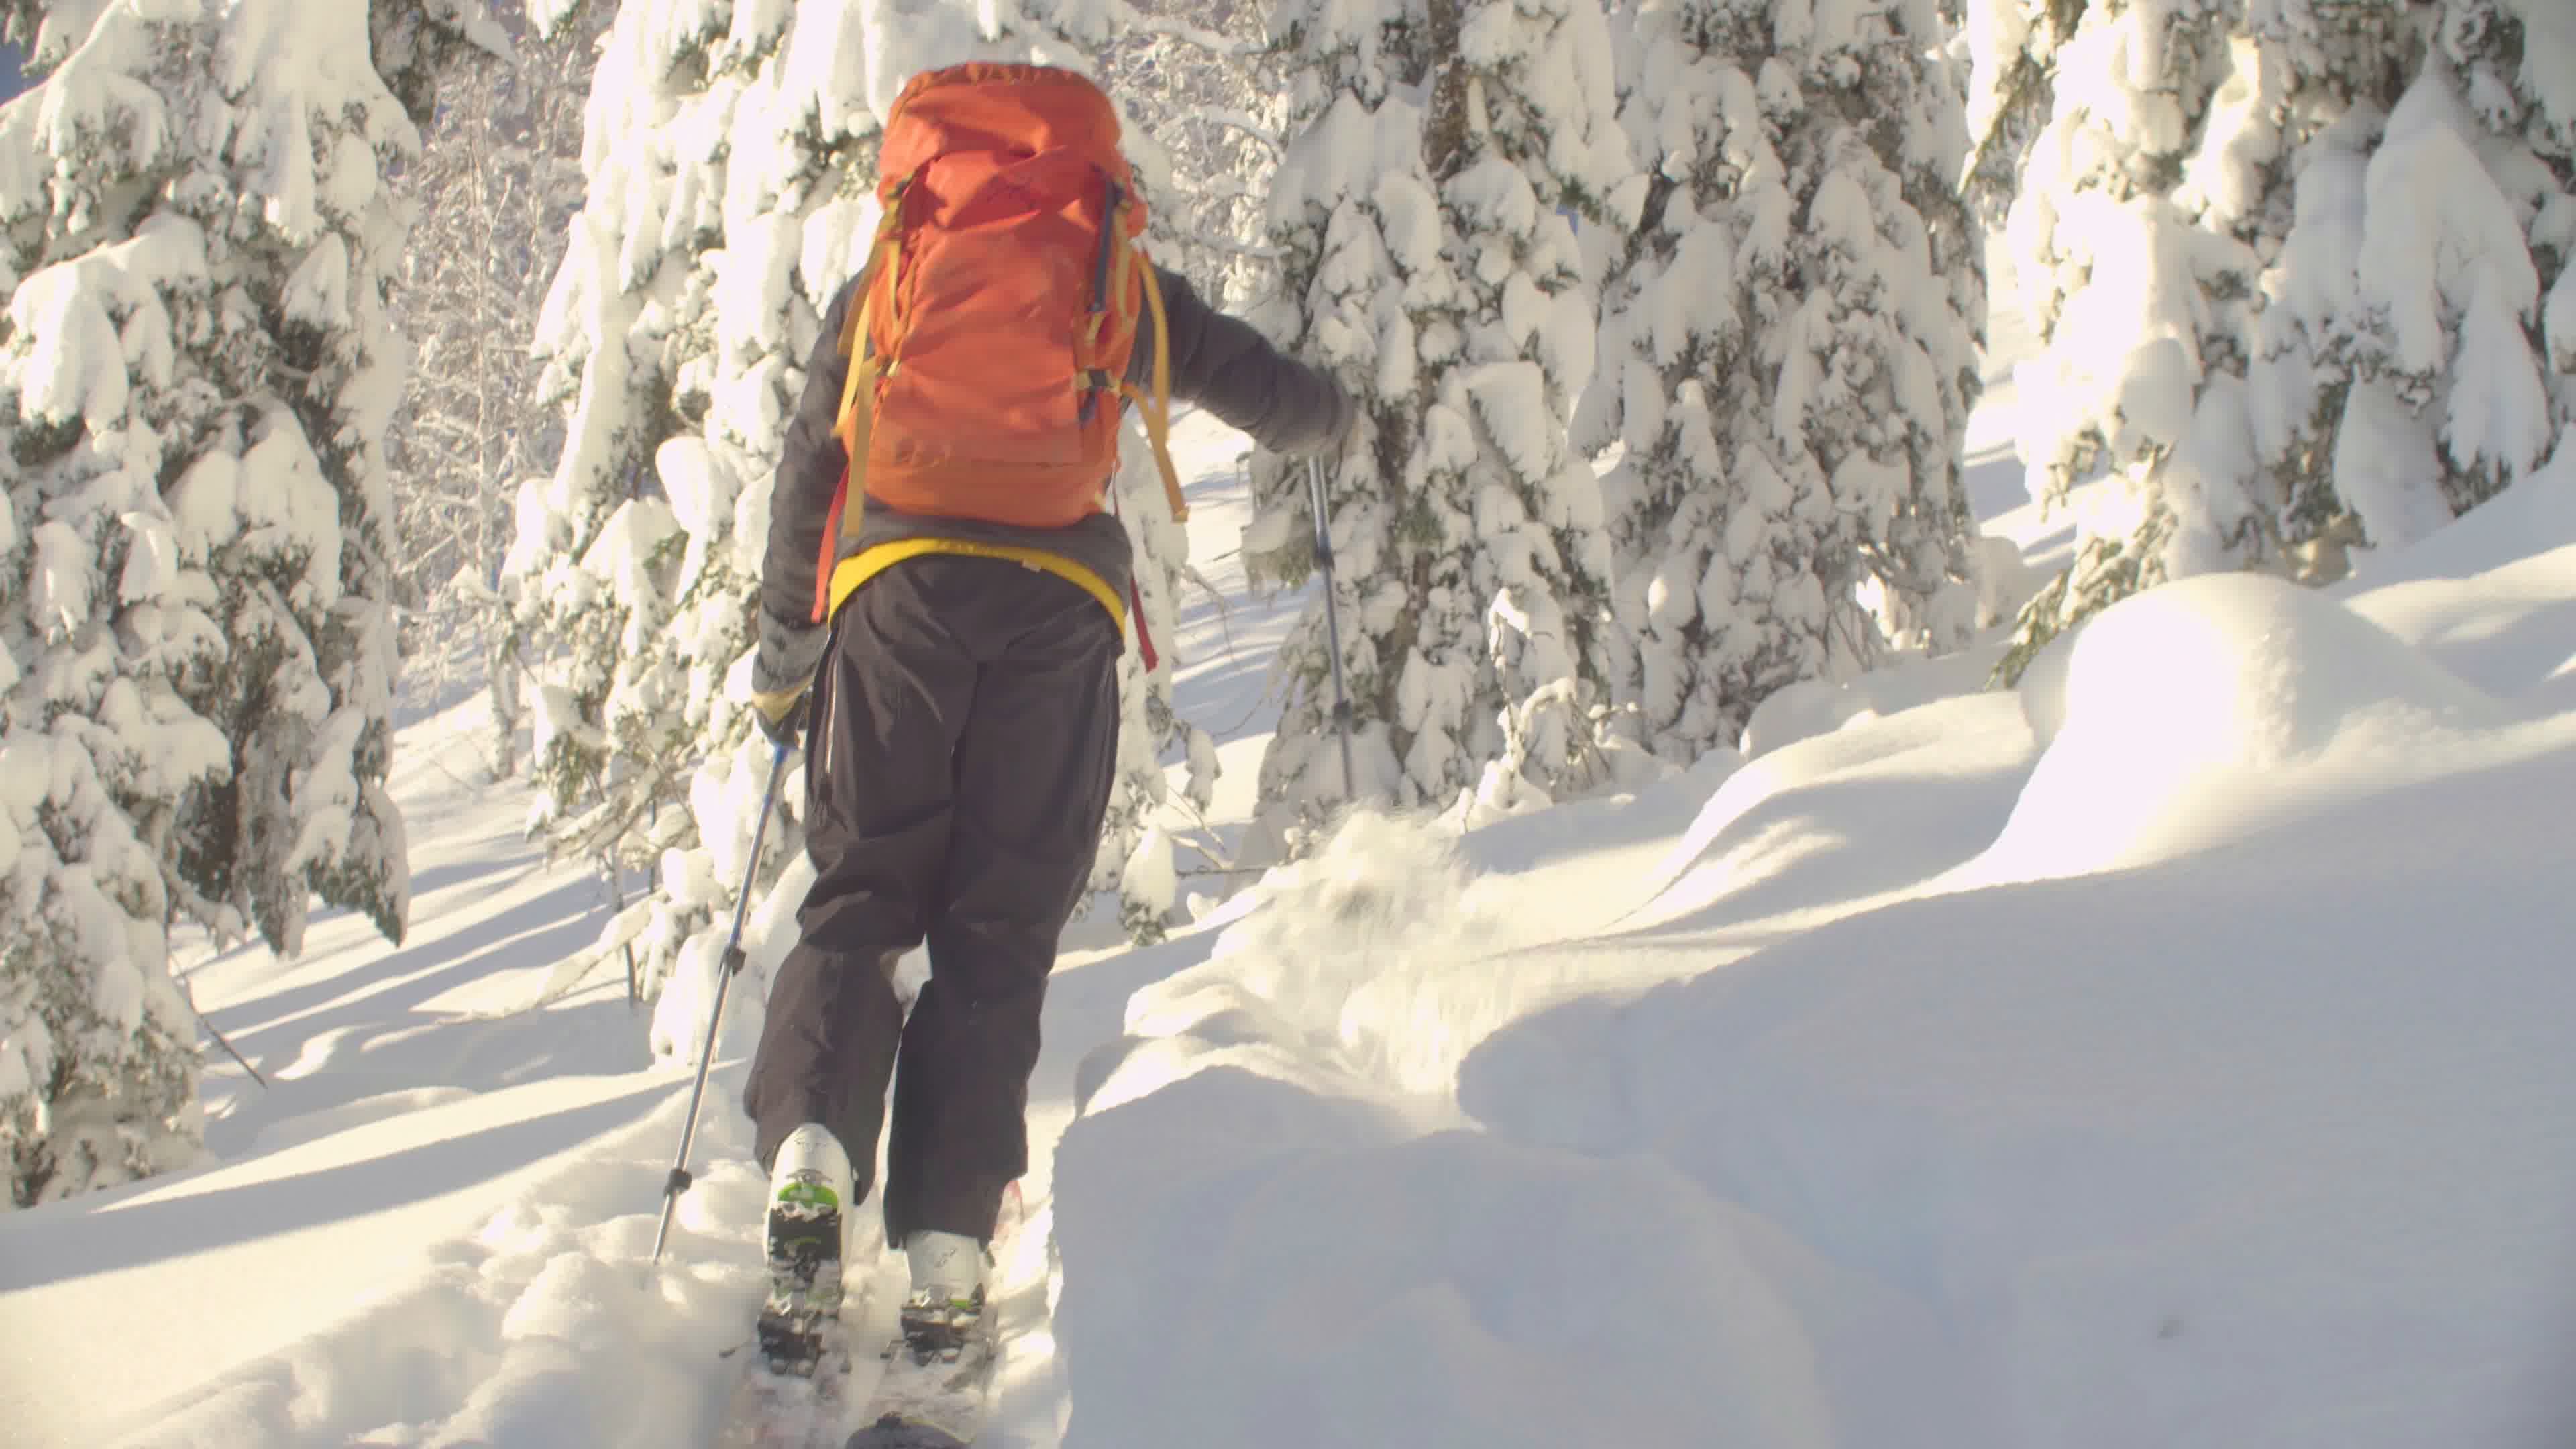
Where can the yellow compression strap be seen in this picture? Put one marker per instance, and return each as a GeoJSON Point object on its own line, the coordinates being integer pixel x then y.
{"type": "Point", "coordinates": [852, 423]}
{"type": "Point", "coordinates": [869, 562]}
{"type": "Point", "coordinates": [894, 280]}
{"type": "Point", "coordinates": [1157, 410]}
{"type": "Point", "coordinates": [889, 250]}
{"type": "Point", "coordinates": [885, 254]}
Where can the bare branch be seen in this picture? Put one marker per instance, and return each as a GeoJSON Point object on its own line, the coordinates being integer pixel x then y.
{"type": "Point", "coordinates": [1205, 39]}
{"type": "Point", "coordinates": [1234, 248]}
{"type": "Point", "coordinates": [1242, 123]}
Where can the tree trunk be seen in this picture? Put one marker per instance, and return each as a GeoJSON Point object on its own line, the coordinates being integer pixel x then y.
{"type": "Point", "coordinates": [1444, 126]}
{"type": "Point", "coordinates": [501, 668]}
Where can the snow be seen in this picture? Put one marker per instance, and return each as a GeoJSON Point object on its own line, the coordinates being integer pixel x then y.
{"type": "Point", "coordinates": [2384, 464]}
{"type": "Point", "coordinates": [1150, 879]}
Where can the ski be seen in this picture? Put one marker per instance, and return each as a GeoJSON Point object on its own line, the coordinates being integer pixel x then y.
{"type": "Point", "coordinates": [794, 1387]}
{"type": "Point", "coordinates": [940, 1370]}
{"type": "Point", "coordinates": [932, 1398]}
{"type": "Point", "coordinates": [775, 1409]}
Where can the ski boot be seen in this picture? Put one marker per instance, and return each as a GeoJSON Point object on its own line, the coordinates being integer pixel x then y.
{"type": "Point", "coordinates": [945, 1317]}
{"type": "Point", "coordinates": [809, 1190]}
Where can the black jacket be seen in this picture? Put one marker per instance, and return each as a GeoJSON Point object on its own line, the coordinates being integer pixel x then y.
{"type": "Point", "coordinates": [1218, 362]}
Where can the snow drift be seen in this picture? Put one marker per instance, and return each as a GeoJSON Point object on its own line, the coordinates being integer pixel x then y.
{"type": "Point", "coordinates": [2168, 1058]}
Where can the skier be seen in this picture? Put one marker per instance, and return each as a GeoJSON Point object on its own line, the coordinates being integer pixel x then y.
{"type": "Point", "coordinates": [941, 629]}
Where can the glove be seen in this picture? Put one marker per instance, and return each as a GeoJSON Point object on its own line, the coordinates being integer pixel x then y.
{"type": "Point", "coordinates": [782, 676]}
{"type": "Point", "coordinates": [782, 716]}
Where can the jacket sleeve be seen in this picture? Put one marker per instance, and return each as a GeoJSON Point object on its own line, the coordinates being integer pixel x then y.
{"type": "Point", "coordinates": [1222, 364]}
{"type": "Point", "coordinates": [810, 466]}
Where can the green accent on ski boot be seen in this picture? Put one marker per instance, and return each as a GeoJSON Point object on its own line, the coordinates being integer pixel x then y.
{"type": "Point", "coordinates": [942, 1329]}
{"type": "Point", "coordinates": [809, 1195]}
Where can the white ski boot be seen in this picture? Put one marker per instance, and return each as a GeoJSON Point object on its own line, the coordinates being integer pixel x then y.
{"type": "Point", "coordinates": [937, 1390]}
{"type": "Point", "coordinates": [946, 1313]}
{"type": "Point", "coordinates": [809, 1206]}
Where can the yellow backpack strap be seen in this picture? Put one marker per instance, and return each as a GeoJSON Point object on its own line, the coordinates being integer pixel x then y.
{"type": "Point", "coordinates": [854, 332]}
{"type": "Point", "coordinates": [883, 256]}
{"type": "Point", "coordinates": [856, 416]}
{"type": "Point", "coordinates": [1157, 409]}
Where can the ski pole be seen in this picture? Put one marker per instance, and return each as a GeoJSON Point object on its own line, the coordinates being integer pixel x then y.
{"type": "Point", "coordinates": [679, 1180]}
{"type": "Point", "coordinates": [1332, 624]}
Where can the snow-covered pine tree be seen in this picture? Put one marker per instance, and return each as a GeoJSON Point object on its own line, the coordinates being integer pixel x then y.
{"type": "Point", "coordinates": [1441, 148]}
{"type": "Point", "coordinates": [196, 683]}
{"type": "Point", "coordinates": [2283, 250]}
{"type": "Point", "coordinates": [2411, 365]}
{"type": "Point", "coordinates": [496, 182]}
{"type": "Point", "coordinates": [1790, 355]}
{"type": "Point", "coordinates": [2144, 296]}
{"type": "Point", "coordinates": [730, 155]}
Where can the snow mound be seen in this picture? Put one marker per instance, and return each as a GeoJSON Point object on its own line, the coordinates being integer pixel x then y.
{"type": "Point", "coordinates": [2236, 668]}
{"type": "Point", "coordinates": [2172, 716]}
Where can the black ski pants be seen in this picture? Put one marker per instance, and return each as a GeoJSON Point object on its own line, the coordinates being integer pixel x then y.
{"type": "Point", "coordinates": [964, 736]}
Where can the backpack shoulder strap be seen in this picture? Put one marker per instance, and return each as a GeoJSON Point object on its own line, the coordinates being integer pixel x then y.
{"type": "Point", "coordinates": [851, 424]}
{"type": "Point", "coordinates": [1156, 409]}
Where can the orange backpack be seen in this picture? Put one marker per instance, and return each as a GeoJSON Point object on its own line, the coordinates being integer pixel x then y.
{"type": "Point", "coordinates": [999, 308]}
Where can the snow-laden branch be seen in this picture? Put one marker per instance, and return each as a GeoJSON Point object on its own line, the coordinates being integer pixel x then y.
{"type": "Point", "coordinates": [1242, 121]}
{"type": "Point", "coordinates": [1200, 36]}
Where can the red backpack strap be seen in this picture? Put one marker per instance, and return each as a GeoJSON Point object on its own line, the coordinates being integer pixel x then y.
{"type": "Point", "coordinates": [1135, 599]}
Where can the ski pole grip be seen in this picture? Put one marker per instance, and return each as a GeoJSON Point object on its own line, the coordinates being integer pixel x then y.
{"type": "Point", "coordinates": [678, 1182]}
